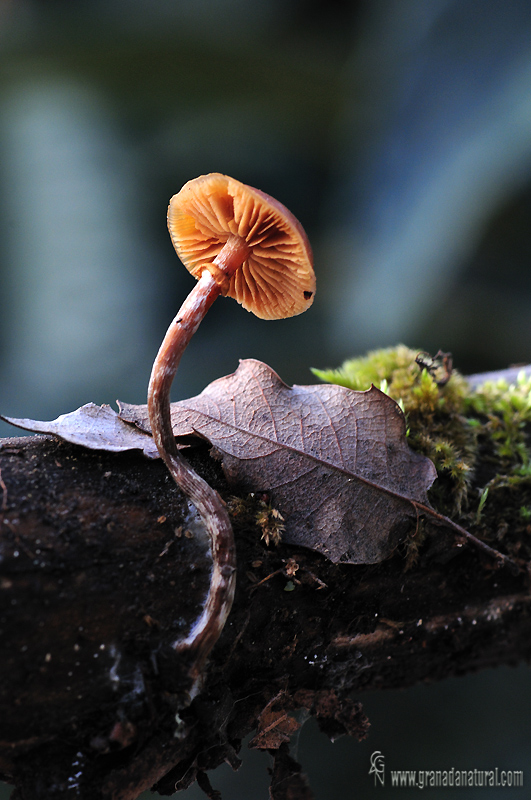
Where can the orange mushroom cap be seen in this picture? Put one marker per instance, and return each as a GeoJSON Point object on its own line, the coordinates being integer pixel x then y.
{"type": "Point", "coordinates": [276, 279]}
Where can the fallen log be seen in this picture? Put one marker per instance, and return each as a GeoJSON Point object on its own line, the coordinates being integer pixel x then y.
{"type": "Point", "coordinates": [103, 566]}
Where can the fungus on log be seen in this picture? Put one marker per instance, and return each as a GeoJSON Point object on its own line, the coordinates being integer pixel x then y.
{"type": "Point", "coordinates": [240, 242]}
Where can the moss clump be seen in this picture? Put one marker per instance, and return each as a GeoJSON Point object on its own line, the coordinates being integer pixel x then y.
{"type": "Point", "coordinates": [478, 439]}
{"type": "Point", "coordinates": [506, 411]}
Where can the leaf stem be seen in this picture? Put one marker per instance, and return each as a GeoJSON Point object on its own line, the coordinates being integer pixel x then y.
{"type": "Point", "coordinates": [479, 543]}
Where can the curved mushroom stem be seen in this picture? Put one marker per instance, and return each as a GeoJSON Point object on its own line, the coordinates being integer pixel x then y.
{"type": "Point", "coordinates": [207, 501]}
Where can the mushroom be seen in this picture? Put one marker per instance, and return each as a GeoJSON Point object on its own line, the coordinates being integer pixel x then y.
{"type": "Point", "coordinates": [236, 241]}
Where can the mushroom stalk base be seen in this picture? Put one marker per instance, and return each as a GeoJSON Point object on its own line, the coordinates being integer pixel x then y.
{"type": "Point", "coordinates": [207, 501]}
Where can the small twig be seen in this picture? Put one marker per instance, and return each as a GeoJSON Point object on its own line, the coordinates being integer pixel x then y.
{"type": "Point", "coordinates": [279, 571]}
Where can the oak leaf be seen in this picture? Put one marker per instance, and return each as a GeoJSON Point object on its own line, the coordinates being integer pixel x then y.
{"type": "Point", "coordinates": [335, 462]}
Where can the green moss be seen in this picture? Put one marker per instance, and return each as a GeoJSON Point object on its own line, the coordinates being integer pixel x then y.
{"type": "Point", "coordinates": [394, 365]}
{"type": "Point", "coordinates": [477, 439]}
{"type": "Point", "coordinates": [506, 410]}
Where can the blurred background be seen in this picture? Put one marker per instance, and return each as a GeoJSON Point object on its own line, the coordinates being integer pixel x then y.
{"type": "Point", "coordinates": [398, 132]}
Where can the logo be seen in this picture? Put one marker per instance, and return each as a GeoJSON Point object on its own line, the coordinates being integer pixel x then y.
{"type": "Point", "coordinates": [377, 767]}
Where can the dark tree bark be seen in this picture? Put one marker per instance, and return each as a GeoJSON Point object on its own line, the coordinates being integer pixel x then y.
{"type": "Point", "coordinates": [102, 569]}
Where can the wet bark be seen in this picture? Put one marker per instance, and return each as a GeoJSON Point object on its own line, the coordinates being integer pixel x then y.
{"type": "Point", "coordinates": [102, 568]}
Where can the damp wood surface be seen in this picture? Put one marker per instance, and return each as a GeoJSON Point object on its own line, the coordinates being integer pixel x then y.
{"type": "Point", "coordinates": [102, 569]}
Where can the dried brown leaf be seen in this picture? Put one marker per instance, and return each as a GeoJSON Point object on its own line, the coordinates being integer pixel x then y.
{"type": "Point", "coordinates": [94, 427]}
{"type": "Point", "coordinates": [335, 462]}
{"type": "Point", "coordinates": [276, 724]}
{"type": "Point", "coordinates": [274, 729]}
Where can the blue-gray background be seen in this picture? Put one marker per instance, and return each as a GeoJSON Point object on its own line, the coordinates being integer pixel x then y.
{"type": "Point", "coordinates": [397, 131]}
